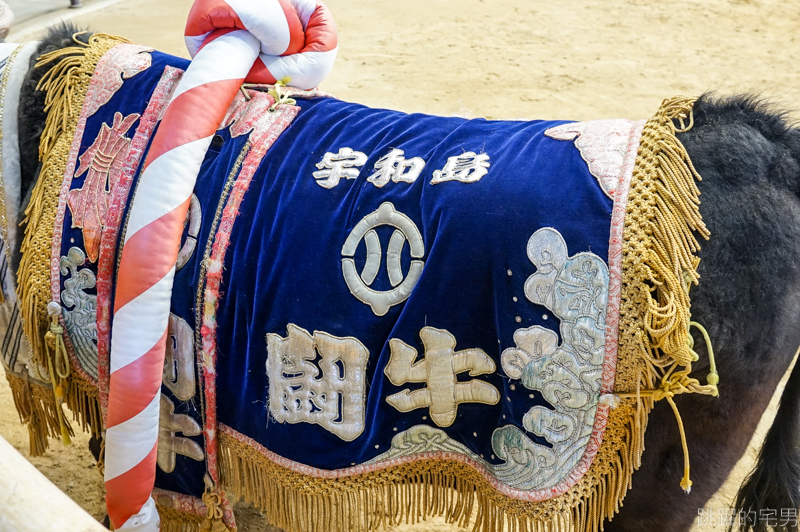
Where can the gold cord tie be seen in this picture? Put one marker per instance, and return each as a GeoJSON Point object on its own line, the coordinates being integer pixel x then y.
{"type": "Point", "coordinates": [679, 382]}
{"type": "Point", "coordinates": [213, 501]}
{"type": "Point", "coordinates": [280, 97]}
{"type": "Point", "coordinates": [57, 364]}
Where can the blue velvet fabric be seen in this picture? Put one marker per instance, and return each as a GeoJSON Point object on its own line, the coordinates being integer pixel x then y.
{"type": "Point", "coordinates": [284, 264]}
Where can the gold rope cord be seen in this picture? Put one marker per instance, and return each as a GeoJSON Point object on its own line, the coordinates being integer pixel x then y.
{"type": "Point", "coordinates": [66, 84]}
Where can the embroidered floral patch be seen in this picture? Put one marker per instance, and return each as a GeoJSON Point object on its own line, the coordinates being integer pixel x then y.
{"type": "Point", "coordinates": [102, 163]}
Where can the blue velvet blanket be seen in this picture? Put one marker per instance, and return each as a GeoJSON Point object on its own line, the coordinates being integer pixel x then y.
{"type": "Point", "coordinates": [396, 287]}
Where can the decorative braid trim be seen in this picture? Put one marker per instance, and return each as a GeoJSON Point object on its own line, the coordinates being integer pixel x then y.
{"type": "Point", "coordinates": [658, 253]}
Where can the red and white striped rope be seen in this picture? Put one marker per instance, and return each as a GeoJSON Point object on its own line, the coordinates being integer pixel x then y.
{"type": "Point", "coordinates": [231, 41]}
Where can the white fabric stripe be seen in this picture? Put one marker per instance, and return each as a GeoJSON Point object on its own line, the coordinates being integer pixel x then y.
{"type": "Point", "coordinates": [136, 327]}
{"type": "Point", "coordinates": [194, 42]}
{"type": "Point", "coordinates": [133, 440]}
{"type": "Point", "coordinates": [306, 70]}
{"type": "Point", "coordinates": [266, 20]}
{"type": "Point", "coordinates": [7, 48]}
{"type": "Point", "coordinates": [147, 519]}
{"type": "Point", "coordinates": [304, 8]}
{"type": "Point", "coordinates": [12, 184]}
{"type": "Point", "coordinates": [161, 196]}
{"type": "Point", "coordinates": [230, 56]}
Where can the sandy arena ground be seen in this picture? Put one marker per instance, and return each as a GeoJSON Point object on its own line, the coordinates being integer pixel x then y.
{"type": "Point", "coordinates": [509, 59]}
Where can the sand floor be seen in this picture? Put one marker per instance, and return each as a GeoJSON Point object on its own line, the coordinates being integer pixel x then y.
{"type": "Point", "coordinates": [512, 59]}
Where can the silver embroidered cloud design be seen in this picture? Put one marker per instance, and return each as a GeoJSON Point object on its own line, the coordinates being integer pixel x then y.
{"type": "Point", "coordinates": [568, 376]}
{"type": "Point", "coordinates": [80, 309]}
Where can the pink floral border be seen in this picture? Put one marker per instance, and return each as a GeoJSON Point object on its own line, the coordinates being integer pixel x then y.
{"type": "Point", "coordinates": [106, 263]}
{"type": "Point", "coordinates": [122, 61]}
{"type": "Point", "coordinates": [615, 257]}
{"type": "Point", "coordinates": [265, 127]}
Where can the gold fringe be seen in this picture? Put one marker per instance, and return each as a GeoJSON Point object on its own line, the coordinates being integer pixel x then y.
{"type": "Point", "coordinates": [36, 406]}
{"type": "Point", "coordinates": [173, 520]}
{"type": "Point", "coordinates": [84, 402]}
{"type": "Point", "coordinates": [658, 255]}
{"type": "Point", "coordinates": [66, 84]}
{"type": "Point", "coordinates": [37, 409]}
{"type": "Point", "coordinates": [412, 492]}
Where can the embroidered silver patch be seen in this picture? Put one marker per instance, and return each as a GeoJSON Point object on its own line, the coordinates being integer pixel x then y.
{"type": "Point", "coordinates": [524, 463]}
{"type": "Point", "coordinates": [336, 166]}
{"type": "Point", "coordinates": [468, 167]}
{"type": "Point", "coordinates": [80, 308]}
{"type": "Point", "coordinates": [169, 444]}
{"type": "Point", "coordinates": [574, 289]}
{"type": "Point", "coordinates": [359, 285]}
{"type": "Point", "coordinates": [438, 369]}
{"type": "Point", "coordinates": [330, 393]}
{"type": "Point", "coordinates": [395, 167]}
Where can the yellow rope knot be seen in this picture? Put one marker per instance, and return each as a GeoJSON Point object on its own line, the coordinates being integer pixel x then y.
{"type": "Point", "coordinates": [677, 381]}
{"type": "Point", "coordinates": [57, 364]}
{"type": "Point", "coordinates": [214, 514]}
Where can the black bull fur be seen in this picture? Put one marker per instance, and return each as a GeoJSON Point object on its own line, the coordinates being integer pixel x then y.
{"type": "Point", "coordinates": [749, 299]}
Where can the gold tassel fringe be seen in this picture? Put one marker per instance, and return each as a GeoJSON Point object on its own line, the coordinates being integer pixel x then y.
{"type": "Point", "coordinates": [659, 252]}
{"type": "Point", "coordinates": [412, 492]}
{"type": "Point", "coordinates": [66, 84]}
{"type": "Point", "coordinates": [173, 520]}
{"type": "Point", "coordinates": [36, 406]}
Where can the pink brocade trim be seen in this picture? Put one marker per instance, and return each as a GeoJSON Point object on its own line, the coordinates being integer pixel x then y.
{"type": "Point", "coordinates": [108, 244]}
{"type": "Point", "coordinates": [615, 257]}
{"type": "Point", "coordinates": [122, 61]}
{"type": "Point", "coordinates": [266, 127]}
{"type": "Point", "coordinates": [192, 505]}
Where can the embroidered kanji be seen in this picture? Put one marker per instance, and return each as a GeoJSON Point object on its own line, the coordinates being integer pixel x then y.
{"type": "Point", "coordinates": [336, 166]}
{"type": "Point", "coordinates": [468, 167]}
{"type": "Point", "coordinates": [179, 359]}
{"type": "Point", "coordinates": [395, 167]}
{"type": "Point", "coordinates": [330, 392]}
{"type": "Point", "coordinates": [169, 444]}
{"type": "Point", "coordinates": [102, 162]}
{"type": "Point", "coordinates": [438, 370]}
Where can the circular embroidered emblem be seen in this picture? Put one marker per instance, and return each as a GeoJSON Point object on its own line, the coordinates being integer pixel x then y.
{"type": "Point", "coordinates": [359, 285]}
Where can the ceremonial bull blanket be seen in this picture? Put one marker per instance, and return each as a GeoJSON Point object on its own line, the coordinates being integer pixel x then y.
{"type": "Point", "coordinates": [364, 298]}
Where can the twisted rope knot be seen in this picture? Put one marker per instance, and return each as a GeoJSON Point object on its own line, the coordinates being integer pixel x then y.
{"type": "Point", "coordinates": [212, 498]}
{"type": "Point", "coordinates": [679, 382]}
